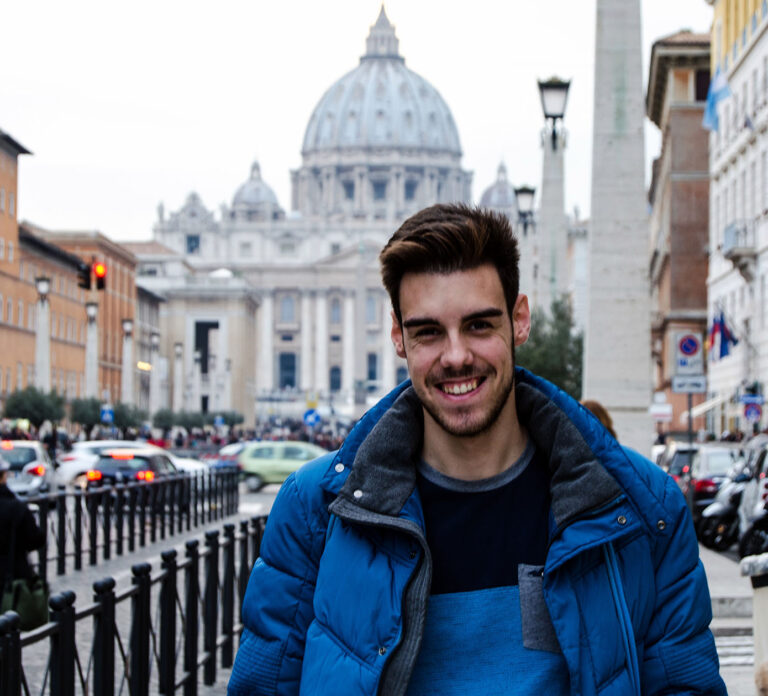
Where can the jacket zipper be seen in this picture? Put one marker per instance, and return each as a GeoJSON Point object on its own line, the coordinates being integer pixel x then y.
{"type": "Point", "coordinates": [622, 613]}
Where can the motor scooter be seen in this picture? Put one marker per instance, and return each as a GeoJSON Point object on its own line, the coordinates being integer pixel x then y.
{"type": "Point", "coordinates": [719, 524]}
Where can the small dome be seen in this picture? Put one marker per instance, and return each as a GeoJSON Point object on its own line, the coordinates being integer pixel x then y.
{"type": "Point", "coordinates": [501, 194]}
{"type": "Point", "coordinates": [254, 193]}
{"type": "Point", "coordinates": [381, 104]}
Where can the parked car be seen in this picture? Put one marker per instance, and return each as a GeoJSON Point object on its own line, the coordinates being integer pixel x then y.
{"type": "Point", "coordinates": [129, 465]}
{"type": "Point", "coordinates": [228, 455]}
{"type": "Point", "coordinates": [755, 494]}
{"type": "Point", "coordinates": [676, 458]}
{"type": "Point", "coordinates": [710, 466]}
{"type": "Point", "coordinates": [272, 462]}
{"type": "Point", "coordinates": [32, 471]}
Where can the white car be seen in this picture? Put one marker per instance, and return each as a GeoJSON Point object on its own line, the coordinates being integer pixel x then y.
{"type": "Point", "coordinates": [32, 471]}
{"type": "Point", "coordinates": [74, 465]}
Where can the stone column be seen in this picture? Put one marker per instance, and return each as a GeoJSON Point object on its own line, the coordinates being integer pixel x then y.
{"type": "Point", "coordinates": [552, 228]}
{"type": "Point", "coordinates": [197, 383]}
{"type": "Point", "coordinates": [43, 345]}
{"type": "Point", "coordinates": [92, 353]}
{"type": "Point", "coordinates": [617, 369]}
{"type": "Point", "coordinates": [154, 374]}
{"type": "Point", "coordinates": [178, 377]}
{"type": "Point", "coordinates": [305, 376]}
{"type": "Point", "coordinates": [348, 361]}
{"type": "Point", "coordinates": [126, 376]}
{"type": "Point", "coordinates": [321, 342]}
{"type": "Point", "coordinates": [387, 375]}
{"type": "Point", "coordinates": [266, 360]}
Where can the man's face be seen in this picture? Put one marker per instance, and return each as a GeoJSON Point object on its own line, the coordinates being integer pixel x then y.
{"type": "Point", "coordinates": [458, 339]}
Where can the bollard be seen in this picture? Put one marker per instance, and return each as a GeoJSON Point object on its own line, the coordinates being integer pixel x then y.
{"type": "Point", "coordinates": [140, 630]}
{"type": "Point", "coordinates": [63, 644]}
{"type": "Point", "coordinates": [132, 517]}
{"type": "Point", "coordinates": [106, 521]}
{"type": "Point", "coordinates": [93, 508]}
{"type": "Point", "coordinates": [104, 638]}
{"type": "Point", "coordinates": [119, 503]}
{"type": "Point", "coordinates": [142, 493]}
{"type": "Point", "coordinates": [61, 534]}
{"type": "Point", "coordinates": [167, 672]}
{"type": "Point", "coordinates": [78, 501]}
{"type": "Point", "coordinates": [756, 567]}
{"type": "Point", "coordinates": [10, 654]}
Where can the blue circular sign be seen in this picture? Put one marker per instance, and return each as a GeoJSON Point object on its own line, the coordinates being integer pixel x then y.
{"type": "Point", "coordinates": [753, 412]}
{"type": "Point", "coordinates": [689, 345]}
{"type": "Point", "coordinates": [311, 417]}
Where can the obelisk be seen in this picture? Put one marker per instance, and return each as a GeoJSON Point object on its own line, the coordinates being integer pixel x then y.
{"type": "Point", "coordinates": [617, 351]}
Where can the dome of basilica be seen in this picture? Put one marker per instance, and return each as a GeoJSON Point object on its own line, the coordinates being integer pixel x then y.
{"type": "Point", "coordinates": [255, 198]}
{"type": "Point", "coordinates": [382, 104]}
{"type": "Point", "coordinates": [500, 195]}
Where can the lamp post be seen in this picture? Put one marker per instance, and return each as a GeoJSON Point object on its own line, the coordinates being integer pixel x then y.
{"type": "Point", "coordinates": [91, 351]}
{"type": "Point", "coordinates": [154, 373]}
{"type": "Point", "coordinates": [524, 196]}
{"type": "Point", "coordinates": [178, 377]}
{"type": "Point", "coordinates": [554, 96]}
{"type": "Point", "coordinates": [126, 394]}
{"type": "Point", "coordinates": [43, 335]}
{"type": "Point", "coordinates": [553, 228]}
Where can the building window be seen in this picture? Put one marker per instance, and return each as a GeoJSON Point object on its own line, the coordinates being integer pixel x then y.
{"type": "Point", "coordinates": [379, 190]}
{"type": "Point", "coordinates": [2, 247]}
{"type": "Point", "coordinates": [2, 200]}
{"type": "Point", "coordinates": [9, 313]}
{"type": "Point", "coordinates": [287, 248]}
{"type": "Point", "coordinates": [8, 385]}
{"type": "Point", "coordinates": [702, 85]}
{"type": "Point", "coordinates": [334, 379]}
{"type": "Point", "coordinates": [193, 243]}
{"type": "Point", "coordinates": [10, 251]}
{"type": "Point", "coordinates": [246, 249]}
{"type": "Point", "coordinates": [335, 311]}
{"type": "Point", "coordinates": [335, 248]}
{"type": "Point", "coordinates": [410, 190]}
{"type": "Point", "coordinates": [287, 367]}
{"type": "Point", "coordinates": [370, 310]}
{"type": "Point", "coordinates": [402, 374]}
{"type": "Point", "coordinates": [19, 375]}
{"type": "Point", "coordinates": [287, 337]}
{"type": "Point", "coordinates": [287, 310]}
{"type": "Point", "coordinates": [20, 316]}
{"type": "Point", "coordinates": [335, 338]}
{"type": "Point", "coordinates": [11, 203]}
{"type": "Point", "coordinates": [349, 190]}
{"type": "Point", "coordinates": [373, 372]}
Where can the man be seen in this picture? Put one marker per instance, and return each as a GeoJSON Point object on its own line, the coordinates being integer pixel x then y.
{"type": "Point", "coordinates": [479, 532]}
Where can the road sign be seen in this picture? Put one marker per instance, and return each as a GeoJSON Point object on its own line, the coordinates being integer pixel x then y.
{"type": "Point", "coordinates": [311, 417]}
{"type": "Point", "coordinates": [758, 399]}
{"type": "Point", "coordinates": [753, 412]}
{"type": "Point", "coordinates": [107, 415]}
{"type": "Point", "coordinates": [689, 384]}
{"type": "Point", "coordinates": [661, 413]}
{"type": "Point", "coordinates": [218, 421]}
{"type": "Point", "coordinates": [689, 356]}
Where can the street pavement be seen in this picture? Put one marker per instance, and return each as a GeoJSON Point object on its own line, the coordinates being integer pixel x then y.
{"type": "Point", "coordinates": [731, 596]}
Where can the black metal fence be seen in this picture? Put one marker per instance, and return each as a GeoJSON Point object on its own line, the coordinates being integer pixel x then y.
{"type": "Point", "coordinates": [97, 524]}
{"type": "Point", "coordinates": [165, 615]}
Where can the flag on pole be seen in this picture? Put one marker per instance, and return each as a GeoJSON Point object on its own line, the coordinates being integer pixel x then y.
{"type": "Point", "coordinates": [718, 90]}
{"type": "Point", "coordinates": [720, 338]}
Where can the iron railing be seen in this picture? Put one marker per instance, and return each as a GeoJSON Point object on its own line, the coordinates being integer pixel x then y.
{"type": "Point", "coordinates": [146, 638]}
{"type": "Point", "coordinates": [96, 524]}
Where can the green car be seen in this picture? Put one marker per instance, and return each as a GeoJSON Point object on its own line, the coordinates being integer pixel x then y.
{"type": "Point", "coordinates": [272, 462]}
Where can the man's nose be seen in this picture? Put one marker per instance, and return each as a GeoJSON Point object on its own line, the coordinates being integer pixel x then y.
{"type": "Point", "coordinates": [457, 352]}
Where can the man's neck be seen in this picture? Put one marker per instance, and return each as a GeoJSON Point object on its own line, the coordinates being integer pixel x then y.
{"type": "Point", "coordinates": [478, 457]}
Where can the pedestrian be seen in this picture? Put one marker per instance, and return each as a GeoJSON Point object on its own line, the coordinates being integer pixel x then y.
{"type": "Point", "coordinates": [602, 415]}
{"type": "Point", "coordinates": [21, 535]}
{"type": "Point", "coordinates": [476, 533]}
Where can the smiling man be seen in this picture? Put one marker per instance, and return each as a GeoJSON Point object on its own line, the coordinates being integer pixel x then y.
{"type": "Point", "coordinates": [479, 532]}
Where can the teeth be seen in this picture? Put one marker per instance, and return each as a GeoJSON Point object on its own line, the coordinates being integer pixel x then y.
{"type": "Point", "coordinates": [462, 388]}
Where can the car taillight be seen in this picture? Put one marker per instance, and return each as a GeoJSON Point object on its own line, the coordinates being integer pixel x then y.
{"type": "Point", "coordinates": [38, 470]}
{"type": "Point", "coordinates": [145, 475]}
{"type": "Point", "coordinates": [67, 458]}
{"type": "Point", "coordinates": [93, 475]}
{"type": "Point", "coordinates": [705, 486]}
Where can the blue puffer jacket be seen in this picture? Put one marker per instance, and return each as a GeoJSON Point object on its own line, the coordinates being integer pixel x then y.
{"type": "Point", "coordinates": [337, 601]}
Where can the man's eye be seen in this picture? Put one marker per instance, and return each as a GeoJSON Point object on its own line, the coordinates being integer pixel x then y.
{"type": "Point", "coordinates": [479, 325]}
{"type": "Point", "coordinates": [426, 332]}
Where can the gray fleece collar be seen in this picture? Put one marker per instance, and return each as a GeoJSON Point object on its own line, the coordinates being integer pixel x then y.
{"type": "Point", "coordinates": [385, 463]}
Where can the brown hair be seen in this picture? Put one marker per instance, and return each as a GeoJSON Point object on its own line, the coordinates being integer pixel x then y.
{"type": "Point", "coordinates": [602, 415]}
{"type": "Point", "coordinates": [448, 238]}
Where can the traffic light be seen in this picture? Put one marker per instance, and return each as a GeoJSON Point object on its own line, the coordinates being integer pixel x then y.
{"type": "Point", "coordinates": [100, 271]}
{"type": "Point", "coordinates": [84, 275]}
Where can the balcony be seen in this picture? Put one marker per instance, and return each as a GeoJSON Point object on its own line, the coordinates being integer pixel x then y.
{"type": "Point", "coordinates": [740, 248]}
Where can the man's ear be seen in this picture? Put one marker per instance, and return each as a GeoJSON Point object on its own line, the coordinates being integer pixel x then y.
{"type": "Point", "coordinates": [397, 336]}
{"type": "Point", "coordinates": [521, 320]}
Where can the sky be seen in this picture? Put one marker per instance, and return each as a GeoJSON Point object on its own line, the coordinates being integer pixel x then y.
{"type": "Point", "coordinates": [126, 105]}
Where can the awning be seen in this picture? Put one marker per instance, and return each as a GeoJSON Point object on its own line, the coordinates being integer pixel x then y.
{"type": "Point", "coordinates": [704, 407]}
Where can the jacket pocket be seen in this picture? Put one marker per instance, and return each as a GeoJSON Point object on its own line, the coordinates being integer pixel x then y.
{"type": "Point", "coordinates": [538, 631]}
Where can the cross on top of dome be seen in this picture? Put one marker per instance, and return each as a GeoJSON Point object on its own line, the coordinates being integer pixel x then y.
{"type": "Point", "coordinates": [381, 41]}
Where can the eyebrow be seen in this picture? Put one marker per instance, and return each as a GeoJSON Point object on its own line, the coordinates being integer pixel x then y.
{"type": "Point", "coordinates": [424, 321]}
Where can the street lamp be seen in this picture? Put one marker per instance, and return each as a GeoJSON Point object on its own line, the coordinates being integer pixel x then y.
{"type": "Point", "coordinates": [178, 349]}
{"type": "Point", "coordinates": [91, 310]}
{"type": "Point", "coordinates": [524, 196]}
{"type": "Point", "coordinates": [554, 95]}
{"type": "Point", "coordinates": [128, 326]}
{"type": "Point", "coordinates": [154, 340]}
{"type": "Point", "coordinates": [43, 285]}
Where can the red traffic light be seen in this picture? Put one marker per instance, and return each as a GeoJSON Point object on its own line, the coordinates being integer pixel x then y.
{"type": "Point", "coordinates": [100, 272]}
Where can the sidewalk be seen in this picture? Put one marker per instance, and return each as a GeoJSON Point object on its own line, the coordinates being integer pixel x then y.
{"type": "Point", "coordinates": [732, 615]}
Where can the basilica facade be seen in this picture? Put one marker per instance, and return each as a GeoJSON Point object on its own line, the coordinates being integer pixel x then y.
{"type": "Point", "coordinates": [269, 311]}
